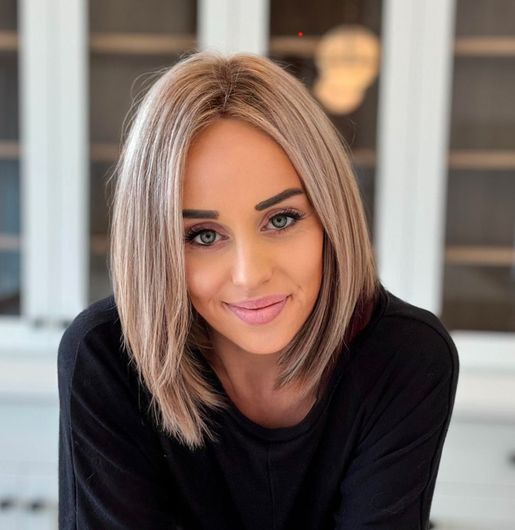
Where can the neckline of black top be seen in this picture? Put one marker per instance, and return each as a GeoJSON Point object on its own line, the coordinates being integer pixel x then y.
{"type": "Point", "coordinates": [280, 434]}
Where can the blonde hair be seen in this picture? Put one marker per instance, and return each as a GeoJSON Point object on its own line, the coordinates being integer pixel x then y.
{"type": "Point", "coordinates": [160, 329]}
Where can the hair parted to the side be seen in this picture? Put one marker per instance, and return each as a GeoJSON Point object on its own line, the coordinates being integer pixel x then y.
{"type": "Point", "coordinates": [160, 327]}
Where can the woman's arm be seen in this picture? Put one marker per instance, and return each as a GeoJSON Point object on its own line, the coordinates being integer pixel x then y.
{"type": "Point", "coordinates": [110, 475]}
{"type": "Point", "coordinates": [390, 482]}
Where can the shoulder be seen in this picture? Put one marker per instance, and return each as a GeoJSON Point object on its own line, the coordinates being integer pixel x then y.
{"type": "Point", "coordinates": [414, 334]}
{"type": "Point", "coordinates": [94, 367]}
{"type": "Point", "coordinates": [90, 343]}
{"type": "Point", "coordinates": [409, 344]}
{"type": "Point", "coordinates": [96, 313]}
{"type": "Point", "coordinates": [420, 334]}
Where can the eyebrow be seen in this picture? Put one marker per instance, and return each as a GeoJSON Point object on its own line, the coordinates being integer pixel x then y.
{"type": "Point", "coordinates": [214, 214]}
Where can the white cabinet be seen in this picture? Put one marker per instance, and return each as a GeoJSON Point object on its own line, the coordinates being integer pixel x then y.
{"type": "Point", "coordinates": [28, 498]}
{"type": "Point", "coordinates": [482, 454]}
{"type": "Point", "coordinates": [28, 464]}
{"type": "Point", "coordinates": [476, 482]}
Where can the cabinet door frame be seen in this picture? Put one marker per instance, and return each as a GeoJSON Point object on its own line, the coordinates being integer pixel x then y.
{"type": "Point", "coordinates": [413, 134]}
{"type": "Point", "coordinates": [54, 247]}
{"type": "Point", "coordinates": [234, 25]}
{"type": "Point", "coordinates": [54, 54]}
{"type": "Point", "coordinates": [413, 140]}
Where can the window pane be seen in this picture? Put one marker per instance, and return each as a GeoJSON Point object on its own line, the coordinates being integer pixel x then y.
{"type": "Point", "coordinates": [129, 41]}
{"type": "Point", "coordinates": [10, 235]}
{"type": "Point", "coordinates": [345, 83]}
{"type": "Point", "coordinates": [479, 268]}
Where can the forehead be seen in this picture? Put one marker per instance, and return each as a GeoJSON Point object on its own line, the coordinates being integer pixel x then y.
{"type": "Point", "coordinates": [232, 159]}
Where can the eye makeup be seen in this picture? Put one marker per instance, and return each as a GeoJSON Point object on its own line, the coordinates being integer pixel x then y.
{"type": "Point", "coordinates": [193, 232]}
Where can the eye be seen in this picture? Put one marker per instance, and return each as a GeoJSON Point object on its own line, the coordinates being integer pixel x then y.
{"type": "Point", "coordinates": [192, 234]}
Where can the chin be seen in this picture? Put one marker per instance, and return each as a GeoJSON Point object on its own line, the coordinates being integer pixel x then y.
{"type": "Point", "coordinates": [264, 345]}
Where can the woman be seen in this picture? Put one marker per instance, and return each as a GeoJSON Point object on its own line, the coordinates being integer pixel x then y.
{"type": "Point", "coordinates": [250, 370]}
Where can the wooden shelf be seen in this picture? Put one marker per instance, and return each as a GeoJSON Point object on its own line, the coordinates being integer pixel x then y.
{"type": "Point", "coordinates": [104, 152]}
{"type": "Point", "coordinates": [10, 242]}
{"type": "Point", "coordinates": [99, 244]}
{"type": "Point", "coordinates": [151, 43]}
{"type": "Point", "coordinates": [140, 43]}
{"type": "Point", "coordinates": [488, 46]}
{"type": "Point", "coordinates": [483, 46]}
{"type": "Point", "coordinates": [364, 157]}
{"type": "Point", "coordinates": [8, 41]}
{"type": "Point", "coordinates": [481, 159]}
{"type": "Point", "coordinates": [480, 256]}
{"type": "Point", "coordinates": [9, 150]}
{"type": "Point", "coordinates": [292, 45]}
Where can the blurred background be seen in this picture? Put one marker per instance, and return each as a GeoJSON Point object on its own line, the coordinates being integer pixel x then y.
{"type": "Point", "coordinates": [424, 94]}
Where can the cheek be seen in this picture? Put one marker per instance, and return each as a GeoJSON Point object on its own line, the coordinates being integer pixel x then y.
{"type": "Point", "coordinates": [200, 281]}
{"type": "Point", "coordinates": [313, 272]}
{"type": "Point", "coordinates": [305, 258]}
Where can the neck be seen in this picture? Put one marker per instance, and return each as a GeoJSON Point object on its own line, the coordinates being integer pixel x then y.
{"type": "Point", "coordinates": [244, 374]}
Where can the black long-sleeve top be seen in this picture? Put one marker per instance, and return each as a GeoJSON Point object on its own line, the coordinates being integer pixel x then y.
{"type": "Point", "coordinates": [366, 456]}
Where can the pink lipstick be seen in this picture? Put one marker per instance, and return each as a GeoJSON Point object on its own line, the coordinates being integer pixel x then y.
{"type": "Point", "coordinates": [262, 315]}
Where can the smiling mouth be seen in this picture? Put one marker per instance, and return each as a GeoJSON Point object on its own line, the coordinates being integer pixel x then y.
{"type": "Point", "coordinates": [259, 308]}
{"type": "Point", "coordinates": [263, 315]}
{"type": "Point", "coordinates": [266, 301]}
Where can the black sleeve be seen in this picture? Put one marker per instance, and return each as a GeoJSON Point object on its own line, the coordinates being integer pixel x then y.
{"type": "Point", "coordinates": [390, 481]}
{"type": "Point", "coordinates": [110, 476]}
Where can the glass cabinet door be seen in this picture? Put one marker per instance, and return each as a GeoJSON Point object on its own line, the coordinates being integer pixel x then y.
{"type": "Point", "coordinates": [479, 268]}
{"type": "Point", "coordinates": [129, 40]}
{"type": "Point", "coordinates": [334, 48]}
{"type": "Point", "coordinates": [10, 235]}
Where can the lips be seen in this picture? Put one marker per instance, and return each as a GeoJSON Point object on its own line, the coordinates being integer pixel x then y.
{"type": "Point", "coordinates": [259, 316]}
{"type": "Point", "coordinates": [260, 303]}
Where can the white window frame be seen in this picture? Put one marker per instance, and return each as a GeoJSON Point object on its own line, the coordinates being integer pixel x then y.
{"type": "Point", "coordinates": [413, 139]}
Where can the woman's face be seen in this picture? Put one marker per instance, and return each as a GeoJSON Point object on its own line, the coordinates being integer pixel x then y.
{"type": "Point", "coordinates": [252, 248]}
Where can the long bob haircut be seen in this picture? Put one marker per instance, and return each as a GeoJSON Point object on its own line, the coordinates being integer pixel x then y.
{"type": "Point", "coordinates": [161, 330]}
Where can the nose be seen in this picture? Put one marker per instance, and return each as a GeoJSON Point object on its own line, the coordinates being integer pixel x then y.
{"type": "Point", "coordinates": [252, 265]}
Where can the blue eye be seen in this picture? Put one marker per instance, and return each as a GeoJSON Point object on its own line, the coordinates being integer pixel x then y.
{"type": "Point", "coordinates": [190, 236]}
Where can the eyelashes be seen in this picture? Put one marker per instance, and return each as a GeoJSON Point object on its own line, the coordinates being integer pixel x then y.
{"type": "Point", "coordinates": [293, 214]}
